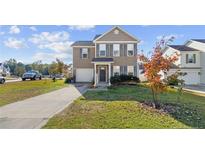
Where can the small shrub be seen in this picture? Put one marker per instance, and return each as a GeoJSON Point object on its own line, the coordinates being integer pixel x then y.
{"type": "Point", "coordinates": [172, 80]}
{"type": "Point", "coordinates": [67, 80]}
{"type": "Point", "coordinates": [118, 79]}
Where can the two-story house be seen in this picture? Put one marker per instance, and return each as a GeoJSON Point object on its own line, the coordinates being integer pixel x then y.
{"type": "Point", "coordinates": [189, 62]}
{"type": "Point", "coordinates": [114, 52]}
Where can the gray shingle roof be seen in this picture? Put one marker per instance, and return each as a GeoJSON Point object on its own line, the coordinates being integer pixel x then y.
{"type": "Point", "coordinates": [182, 48]}
{"type": "Point", "coordinates": [102, 60]}
{"type": "Point", "coordinates": [96, 36]}
{"type": "Point", "coordinates": [83, 43]}
{"type": "Point", "coordinates": [199, 40]}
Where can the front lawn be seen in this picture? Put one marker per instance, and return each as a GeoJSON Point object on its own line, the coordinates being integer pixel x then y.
{"type": "Point", "coordinates": [16, 91]}
{"type": "Point", "coordinates": [120, 108]}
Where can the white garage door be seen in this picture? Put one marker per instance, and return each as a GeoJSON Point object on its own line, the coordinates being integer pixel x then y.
{"type": "Point", "coordinates": [84, 75]}
{"type": "Point", "coordinates": [192, 78]}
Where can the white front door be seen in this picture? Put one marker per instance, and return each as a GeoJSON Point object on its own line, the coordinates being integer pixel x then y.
{"type": "Point", "coordinates": [84, 75]}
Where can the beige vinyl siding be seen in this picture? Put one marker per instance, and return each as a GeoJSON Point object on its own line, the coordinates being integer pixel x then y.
{"type": "Point", "coordinates": [121, 36]}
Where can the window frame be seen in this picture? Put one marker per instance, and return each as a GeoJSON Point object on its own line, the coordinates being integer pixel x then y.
{"type": "Point", "coordinates": [114, 70]}
{"type": "Point", "coordinates": [128, 45]}
{"type": "Point", "coordinates": [100, 50]}
{"type": "Point", "coordinates": [118, 55]}
{"type": "Point", "coordinates": [128, 70]}
{"type": "Point", "coordinates": [83, 50]}
{"type": "Point", "coordinates": [191, 59]}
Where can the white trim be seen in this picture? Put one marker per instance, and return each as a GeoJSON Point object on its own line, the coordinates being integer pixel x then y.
{"type": "Point", "coordinates": [116, 42]}
{"type": "Point", "coordinates": [137, 40]}
{"type": "Point", "coordinates": [83, 46]}
{"type": "Point", "coordinates": [196, 41]}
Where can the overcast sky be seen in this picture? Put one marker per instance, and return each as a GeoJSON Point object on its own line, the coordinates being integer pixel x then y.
{"type": "Point", "coordinates": [31, 43]}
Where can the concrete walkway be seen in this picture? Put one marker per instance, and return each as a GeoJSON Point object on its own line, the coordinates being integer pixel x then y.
{"type": "Point", "coordinates": [35, 112]}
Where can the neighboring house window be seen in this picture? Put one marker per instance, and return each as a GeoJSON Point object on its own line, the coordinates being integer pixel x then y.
{"type": "Point", "coordinates": [116, 70]}
{"type": "Point", "coordinates": [130, 70]}
{"type": "Point", "coordinates": [116, 50]}
{"type": "Point", "coordinates": [190, 58]}
{"type": "Point", "coordinates": [102, 50]}
{"type": "Point", "coordinates": [130, 49]}
{"type": "Point", "coordinates": [84, 53]}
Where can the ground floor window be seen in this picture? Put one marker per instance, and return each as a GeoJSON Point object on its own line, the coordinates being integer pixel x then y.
{"type": "Point", "coordinates": [116, 70]}
{"type": "Point", "coordinates": [130, 70]}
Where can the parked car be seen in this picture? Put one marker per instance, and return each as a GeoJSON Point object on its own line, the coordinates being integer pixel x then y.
{"type": "Point", "coordinates": [2, 80]}
{"type": "Point", "coordinates": [32, 75]}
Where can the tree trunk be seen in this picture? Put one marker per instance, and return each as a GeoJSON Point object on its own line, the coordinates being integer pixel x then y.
{"type": "Point", "coordinates": [155, 103]}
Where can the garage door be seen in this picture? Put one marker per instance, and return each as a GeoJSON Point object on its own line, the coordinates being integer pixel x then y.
{"type": "Point", "coordinates": [84, 75]}
{"type": "Point", "coordinates": [192, 78]}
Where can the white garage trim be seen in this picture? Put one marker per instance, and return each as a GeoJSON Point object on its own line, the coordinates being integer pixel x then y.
{"type": "Point", "coordinates": [84, 75]}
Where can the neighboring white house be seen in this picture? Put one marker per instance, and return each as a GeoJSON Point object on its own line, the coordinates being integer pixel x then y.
{"type": "Point", "coordinates": [191, 61]}
{"type": "Point", "coordinates": [1, 68]}
{"type": "Point", "coordinates": [4, 70]}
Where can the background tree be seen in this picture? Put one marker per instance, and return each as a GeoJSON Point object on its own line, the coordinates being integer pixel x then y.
{"type": "Point", "coordinates": [12, 64]}
{"type": "Point", "coordinates": [53, 68]}
{"type": "Point", "coordinates": [154, 66]}
{"type": "Point", "coordinates": [60, 66]}
{"type": "Point", "coordinates": [20, 69]}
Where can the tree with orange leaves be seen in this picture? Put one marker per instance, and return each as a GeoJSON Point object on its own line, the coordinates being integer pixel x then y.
{"type": "Point", "coordinates": [154, 66]}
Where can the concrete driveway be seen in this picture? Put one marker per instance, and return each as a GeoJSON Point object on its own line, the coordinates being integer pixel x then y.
{"type": "Point", "coordinates": [35, 112]}
{"type": "Point", "coordinates": [195, 88]}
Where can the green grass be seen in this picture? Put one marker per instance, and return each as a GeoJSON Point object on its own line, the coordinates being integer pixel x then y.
{"type": "Point", "coordinates": [16, 91]}
{"type": "Point", "coordinates": [111, 114]}
{"type": "Point", "coordinates": [119, 107]}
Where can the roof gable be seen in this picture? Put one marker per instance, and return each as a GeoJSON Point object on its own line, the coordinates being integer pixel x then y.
{"type": "Point", "coordinates": [199, 40]}
{"type": "Point", "coordinates": [182, 48]}
{"type": "Point", "coordinates": [116, 34]}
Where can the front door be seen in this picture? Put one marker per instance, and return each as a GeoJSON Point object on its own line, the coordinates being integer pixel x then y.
{"type": "Point", "coordinates": [102, 74]}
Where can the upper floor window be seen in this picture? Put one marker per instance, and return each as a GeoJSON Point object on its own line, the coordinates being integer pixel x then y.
{"type": "Point", "coordinates": [130, 70]}
{"type": "Point", "coordinates": [190, 58]}
{"type": "Point", "coordinates": [84, 53]}
{"type": "Point", "coordinates": [130, 49]}
{"type": "Point", "coordinates": [116, 70]}
{"type": "Point", "coordinates": [102, 50]}
{"type": "Point", "coordinates": [116, 50]}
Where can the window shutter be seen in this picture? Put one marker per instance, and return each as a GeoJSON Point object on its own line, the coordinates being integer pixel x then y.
{"type": "Point", "coordinates": [112, 74]}
{"type": "Point", "coordinates": [111, 50]}
{"type": "Point", "coordinates": [107, 50]}
{"type": "Point", "coordinates": [97, 50]}
{"type": "Point", "coordinates": [121, 70]}
{"type": "Point", "coordinates": [88, 53]}
{"type": "Point", "coordinates": [125, 49]}
{"type": "Point", "coordinates": [121, 50]}
{"type": "Point", "coordinates": [194, 58]}
{"type": "Point", "coordinates": [135, 70]}
{"type": "Point", "coordinates": [135, 49]}
{"type": "Point", "coordinates": [125, 69]}
{"type": "Point", "coordinates": [187, 56]}
{"type": "Point", "coordinates": [81, 53]}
